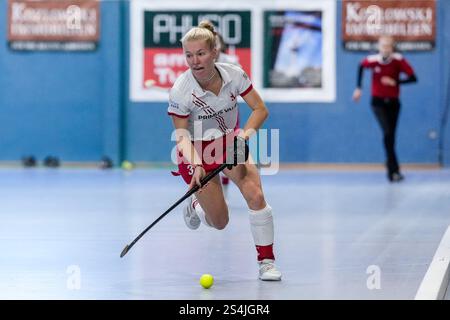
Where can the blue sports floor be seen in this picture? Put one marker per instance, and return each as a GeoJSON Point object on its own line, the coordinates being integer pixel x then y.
{"type": "Point", "coordinates": [338, 235]}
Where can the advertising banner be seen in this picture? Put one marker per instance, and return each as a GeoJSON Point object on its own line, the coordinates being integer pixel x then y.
{"type": "Point", "coordinates": [286, 47]}
{"type": "Point", "coordinates": [412, 23]}
{"type": "Point", "coordinates": [53, 24]}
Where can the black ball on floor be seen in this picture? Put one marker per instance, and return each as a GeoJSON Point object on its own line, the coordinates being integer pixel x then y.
{"type": "Point", "coordinates": [106, 163]}
{"type": "Point", "coordinates": [51, 162]}
{"type": "Point", "coordinates": [29, 161]}
{"type": "Point", "coordinates": [56, 162]}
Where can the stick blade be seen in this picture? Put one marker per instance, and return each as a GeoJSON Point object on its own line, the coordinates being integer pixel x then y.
{"type": "Point", "coordinates": [124, 251]}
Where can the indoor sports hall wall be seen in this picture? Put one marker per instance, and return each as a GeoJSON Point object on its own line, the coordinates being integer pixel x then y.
{"type": "Point", "coordinates": [445, 61]}
{"type": "Point", "coordinates": [76, 105]}
{"type": "Point", "coordinates": [61, 103]}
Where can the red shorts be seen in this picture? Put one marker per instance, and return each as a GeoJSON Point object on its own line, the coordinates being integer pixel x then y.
{"type": "Point", "coordinates": [213, 154]}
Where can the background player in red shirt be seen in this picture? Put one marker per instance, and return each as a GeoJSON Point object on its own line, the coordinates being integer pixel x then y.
{"type": "Point", "coordinates": [386, 69]}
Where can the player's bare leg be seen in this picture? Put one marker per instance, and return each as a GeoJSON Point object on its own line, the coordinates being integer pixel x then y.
{"type": "Point", "coordinates": [247, 179]}
{"type": "Point", "coordinates": [212, 208]}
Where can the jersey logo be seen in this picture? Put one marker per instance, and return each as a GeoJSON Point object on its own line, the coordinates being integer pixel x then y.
{"type": "Point", "coordinates": [174, 105]}
{"type": "Point", "coordinates": [210, 111]}
{"type": "Point", "coordinates": [232, 96]}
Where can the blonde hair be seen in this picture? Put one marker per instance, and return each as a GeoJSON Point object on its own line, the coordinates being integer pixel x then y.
{"type": "Point", "coordinates": [204, 31]}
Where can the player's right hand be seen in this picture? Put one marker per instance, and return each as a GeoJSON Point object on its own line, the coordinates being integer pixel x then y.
{"type": "Point", "coordinates": [357, 94]}
{"type": "Point", "coordinates": [199, 173]}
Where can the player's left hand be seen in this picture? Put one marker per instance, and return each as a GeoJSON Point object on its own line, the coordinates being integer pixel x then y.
{"type": "Point", "coordinates": [240, 152]}
{"type": "Point", "coordinates": [388, 81]}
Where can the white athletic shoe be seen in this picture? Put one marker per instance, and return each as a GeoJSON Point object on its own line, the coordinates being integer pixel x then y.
{"type": "Point", "coordinates": [190, 216]}
{"type": "Point", "coordinates": [268, 271]}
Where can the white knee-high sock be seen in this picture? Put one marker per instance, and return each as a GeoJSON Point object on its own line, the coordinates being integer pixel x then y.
{"type": "Point", "coordinates": [261, 225]}
{"type": "Point", "coordinates": [200, 212]}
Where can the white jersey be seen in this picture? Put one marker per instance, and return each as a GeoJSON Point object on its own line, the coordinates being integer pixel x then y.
{"type": "Point", "coordinates": [210, 116]}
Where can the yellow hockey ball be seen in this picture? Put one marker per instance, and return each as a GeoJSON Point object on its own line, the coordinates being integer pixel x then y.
{"type": "Point", "coordinates": [206, 281]}
{"type": "Point", "coordinates": [127, 165]}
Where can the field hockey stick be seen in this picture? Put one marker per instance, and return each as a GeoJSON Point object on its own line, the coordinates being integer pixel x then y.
{"type": "Point", "coordinates": [203, 182]}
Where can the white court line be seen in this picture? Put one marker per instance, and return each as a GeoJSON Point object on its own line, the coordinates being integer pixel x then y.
{"type": "Point", "coordinates": [435, 282]}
